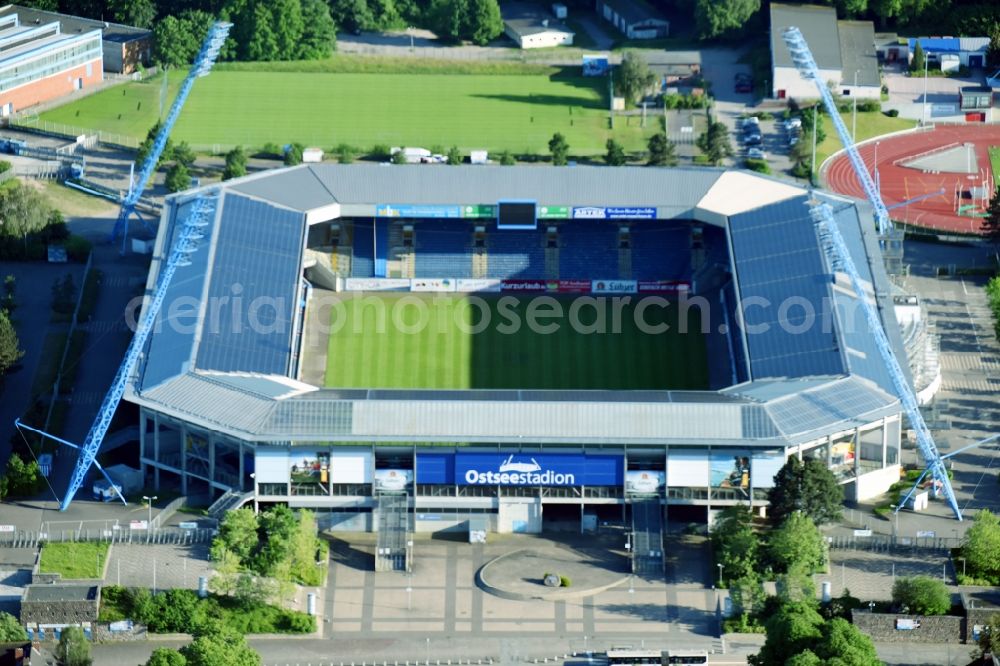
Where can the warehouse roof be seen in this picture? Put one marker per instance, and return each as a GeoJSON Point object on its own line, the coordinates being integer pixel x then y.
{"type": "Point", "coordinates": [818, 26]}
{"type": "Point", "coordinates": [857, 52]}
{"type": "Point", "coordinates": [528, 19]}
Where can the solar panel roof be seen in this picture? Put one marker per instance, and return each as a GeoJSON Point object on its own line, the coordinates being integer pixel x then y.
{"type": "Point", "coordinates": [252, 298]}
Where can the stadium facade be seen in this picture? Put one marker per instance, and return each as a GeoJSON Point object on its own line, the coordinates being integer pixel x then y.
{"type": "Point", "coordinates": [234, 392]}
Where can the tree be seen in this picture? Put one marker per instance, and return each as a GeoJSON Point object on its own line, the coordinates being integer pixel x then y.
{"type": "Point", "coordinates": [183, 154]}
{"type": "Point", "coordinates": [227, 570]}
{"type": "Point", "coordinates": [616, 154]}
{"type": "Point", "coordinates": [714, 143]}
{"type": "Point", "coordinates": [734, 543]}
{"type": "Point", "coordinates": [288, 27]}
{"type": "Point", "coordinates": [177, 39]}
{"type": "Point", "coordinates": [23, 211]}
{"type": "Point", "coordinates": [319, 34]}
{"type": "Point", "coordinates": [293, 154]}
{"type": "Point", "coordinates": [506, 158]}
{"type": "Point", "coordinates": [178, 178]}
{"type": "Point", "coordinates": [991, 223]}
{"type": "Point", "coordinates": [277, 529]}
{"type": "Point", "coordinates": [10, 346]}
{"type": "Point", "coordinates": [304, 544]}
{"type": "Point", "coordinates": [796, 584]}
{"type": "Point", "coordinates": [809, 487]}
{"type": "Point", "coordinates": [559, 149]}
{"type": "Point", "coordinates": [993, 53]}
{"type": "Point", "coordinates": [11, 630]}
{"type": "Point", "coordinates": [661, 150]}
{"type": "Point", "coordinates": [73, 648]}
{"type": "Point", "coordinates": [398, 157]}
{"type": "Point", "coordinates": [634, 78]}
{"type": "Point", "coordinates": [146, 147]}
{"type": "Point", "coordinates": [448, 18]}
{"type": "Point", "coordinates": [236, 164]}
{"type": "Point", "coordinates": [989, 638]}
{"type": "Point", "coordinates": [454, 156]}
{"type": "Point", "coordinates": [217, 645]}
{"type": "Point", "coordinates": [791, 629]}
{"type": "Point", "coordinates": [345, 154]}
{"type": "Point", "coordinates": [483, 22]}
{"type": "Point", "coordinates": [237, 534]}
{"type": "Point", "coordinates": [715, 18]}
{"type": "Point", "coordinates": [747, 594]}
{"type": "Point", "coordinates": [843, 645]}
{"type": "Point", "coordinates": [354, 15]}
{"type": "Point", "coordinates": [796, 545]}
{"type": "Point", "coordinates": [139, 13]}
{"type": "Point", "coordinates": [919, 60]}
{"type": "Point", "coordinates": [982, 546]}
{"type": "Point", "coordinates": [166, 657]}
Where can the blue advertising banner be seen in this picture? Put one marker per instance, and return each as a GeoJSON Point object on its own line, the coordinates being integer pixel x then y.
{"type": "Point", "coordinates": [417, 211]}
{"type": "Point", "coordinates": [614, 213]}
{"type": "Point", "coordinates": [538, 469]}
{"type": "Point", "coordinates": [436, 468]}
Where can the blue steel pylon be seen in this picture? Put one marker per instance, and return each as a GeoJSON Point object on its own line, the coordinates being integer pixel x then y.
{"type": "Point", "coordinates": [841, 259]}
{"type": "Point", "coordinates": [202, 66]}
{"type": "Point", "coordinates": [191, 233]}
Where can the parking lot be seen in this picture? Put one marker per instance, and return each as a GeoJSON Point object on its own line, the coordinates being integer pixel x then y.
{"type": "Point", "coordinates": [773, 145]}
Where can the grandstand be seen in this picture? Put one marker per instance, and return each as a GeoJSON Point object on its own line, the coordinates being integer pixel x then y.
{"type": "Point", "coordinates": [374, 354]}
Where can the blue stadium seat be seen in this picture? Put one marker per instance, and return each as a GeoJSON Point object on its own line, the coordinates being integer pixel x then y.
{"type": "Point", "coordinates": [660, 251]}
{"type": "Point", "coordinates": [588, 250]}
{"type": "Point", "coordinates": [443, 249]}
{"type": "Point", "coordinates": [515, 254]}
{"type": "Point", "coordinates": [363, 262]}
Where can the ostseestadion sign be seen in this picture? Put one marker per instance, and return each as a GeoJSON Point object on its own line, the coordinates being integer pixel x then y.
{"type": "Point", "coordinates": [536, 469]}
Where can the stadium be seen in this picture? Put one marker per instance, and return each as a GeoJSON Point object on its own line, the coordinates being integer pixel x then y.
{"type": "Point", "coordinates": [518, 348]}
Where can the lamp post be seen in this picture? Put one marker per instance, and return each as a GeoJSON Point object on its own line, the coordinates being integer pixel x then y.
{"type": "Point", "coordinates": [854, 113]}
{"type": "Point", "coordinates": [923, 115]}
{"type": "Point", "coordinates": [720, 573]}
{"type": "Point", "coordinates": [878, 184]}
{"type": "Point", "coordinates": [149, 503]}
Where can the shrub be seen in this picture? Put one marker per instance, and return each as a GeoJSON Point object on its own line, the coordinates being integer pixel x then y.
{"type": "Point", "coordinates": [760, 166]}
{"type": "Point", "coordinates": [564, 581]}
{"type": "Point", "coordinates": [5, 166]}
{"type": "Point", "coordinates": [892, 113]}
{"type": "Point", "coordinates": [868, 106]}
{"type": "Point", "coordinates": [271, 150]}
{"type": "Point", "coordinates": [293, 154]}
{"type": "Point", "coordinates": [380, 152]}
{"type": "Point", "coordinates": [921, 595]}
{"type": "Point", "coordinates": [345, 154]}
{"type": "Point", "coordinates": [77, 248]}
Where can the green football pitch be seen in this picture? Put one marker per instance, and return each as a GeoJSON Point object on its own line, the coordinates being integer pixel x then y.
{"type": "Point", "coordinates": [516, 112]}
{"type": "Point", "coordinates": [488, 342]}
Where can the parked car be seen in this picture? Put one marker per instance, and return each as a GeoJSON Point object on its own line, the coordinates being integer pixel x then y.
{"type": "Point", "coordinates": [756, 154]}
{"type": "Point", "coordinates": [793, 124]}
{"type": "Point", "coordinates": [744, 83]}
{"type": "Point", "coordinates": [752, 138]}
{"type": "Point", "coordinates": [752, 123]}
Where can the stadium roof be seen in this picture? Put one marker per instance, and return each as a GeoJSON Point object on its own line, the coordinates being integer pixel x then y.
{"type": "Point", "coordinates": [202, 368]}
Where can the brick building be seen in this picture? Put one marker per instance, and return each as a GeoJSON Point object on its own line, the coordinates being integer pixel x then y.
{"type": "Point", "coordinates": [40, 62]}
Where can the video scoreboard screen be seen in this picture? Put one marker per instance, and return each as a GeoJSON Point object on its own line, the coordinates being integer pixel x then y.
{"type": "Point", "coordinates": [516, 215]}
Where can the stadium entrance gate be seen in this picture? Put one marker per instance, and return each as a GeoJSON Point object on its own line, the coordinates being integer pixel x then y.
{"type": "Point", "coordinates": [394, 542]}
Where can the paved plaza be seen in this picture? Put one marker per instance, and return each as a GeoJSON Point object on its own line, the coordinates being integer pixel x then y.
{"type": "Point", "coordinates": [157, 567]}
{"type": "Point", "coordinates": [444, 599]}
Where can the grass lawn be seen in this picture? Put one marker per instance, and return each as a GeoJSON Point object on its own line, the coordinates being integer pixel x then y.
{"type": "Point", "coordinates": [995, 162]}
{"type": "Point", "coordinates": [517, 112]}
{"type": "Point", "coordinates": [72, 203]}
{"type": "Point", "coordinates": [438, 346]}
{"type": "Point", "coordinates": [74, 560]}
{"type": "Point", "coordinates": [870, 124]}
{"type": "Point", "coordinates": [48, 364]}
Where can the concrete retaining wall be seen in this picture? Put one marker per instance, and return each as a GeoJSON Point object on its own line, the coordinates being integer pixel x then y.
{"type": "Point", "coordinates": [882, 628]}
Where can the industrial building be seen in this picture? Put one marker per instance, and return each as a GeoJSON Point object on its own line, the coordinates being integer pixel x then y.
{"type": "Point", "coordinates": [234, 387]}
{"type": "Point", "coordinates": [844, 52]}
{"type": "Point", "coordinates": [532, 28]}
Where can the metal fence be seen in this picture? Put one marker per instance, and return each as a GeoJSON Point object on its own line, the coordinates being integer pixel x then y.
{"type": "Point", "coordinates": [887, 543]}
{"type": "Point", "coordinates": [169, 536]}
{"type": "Point", "coordinates": [33, 123]}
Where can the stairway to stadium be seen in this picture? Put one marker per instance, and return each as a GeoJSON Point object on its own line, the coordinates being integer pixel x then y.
{"type": "Point", "coordinates": [393, 551]}
{"type": "Point", "coordinates": [647, 535]}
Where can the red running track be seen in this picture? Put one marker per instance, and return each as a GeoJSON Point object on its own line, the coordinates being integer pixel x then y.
{"type": "Point", "coordinates": [901, 183]}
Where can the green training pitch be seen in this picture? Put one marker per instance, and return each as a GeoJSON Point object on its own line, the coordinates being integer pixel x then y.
{"type": "Point", "coordinates": [447, 342]}
{"type": "Point", "coordinates": [518, 112]}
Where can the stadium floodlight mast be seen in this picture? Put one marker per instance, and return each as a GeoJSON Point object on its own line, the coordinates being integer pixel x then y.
{"type": "Point", "coordinates": [192, 232]}
{"type": "Point", "coordinates": [202, 66]}
{"type": "Point", "coordinates": [840, 259]}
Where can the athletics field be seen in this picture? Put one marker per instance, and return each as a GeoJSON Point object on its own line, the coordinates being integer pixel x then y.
{"type": "Point", "coordinates": [516, 112]}
{"type": "Point", "coordinates": [492, 342]}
